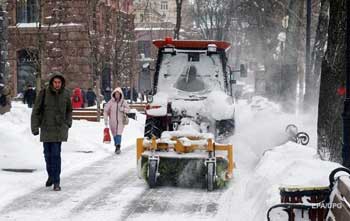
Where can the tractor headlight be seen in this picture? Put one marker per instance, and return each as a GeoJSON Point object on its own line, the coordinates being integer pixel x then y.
{"type": "Point", "coordinates": [212, 48]}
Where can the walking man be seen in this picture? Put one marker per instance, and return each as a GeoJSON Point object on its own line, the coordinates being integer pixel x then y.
{"type": "Point", "coordinates": [52, 113]}
{"type": "Point", "coordinates": [29, 96]}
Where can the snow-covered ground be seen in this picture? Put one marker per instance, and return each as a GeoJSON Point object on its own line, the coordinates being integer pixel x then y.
{"type": "Point", "coordinates": [104, 186]}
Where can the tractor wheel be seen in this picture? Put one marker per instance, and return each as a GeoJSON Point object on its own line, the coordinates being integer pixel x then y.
{"type": "Point", "coordinates": [210, 177]}
{"type": "Point", "coordinates": [225, 128]}
{"type": "Point", "coordinates": [153, 128]}
{"type": "Point", "coordinates": [152, 173]}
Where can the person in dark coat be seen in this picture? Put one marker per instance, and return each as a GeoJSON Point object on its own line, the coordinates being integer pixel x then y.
{"type": "Point", "coordinates": [134, 95]}
{"type": "Point", "coordinates": [90, 97]}
{"type": "Point", "coordinates": [107, 94]}
{"type": "Point", "coordinates": [29, 96]}
{"type": "Point", "coordinates": [52, 113]}
{"type": "Point", "coordinates": [126, 92]}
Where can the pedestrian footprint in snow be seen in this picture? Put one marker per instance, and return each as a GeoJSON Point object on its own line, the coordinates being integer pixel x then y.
{"type": "Point", "coordinates": [52, 113]}
{"type": "Point", "coordinates": [115, 113]}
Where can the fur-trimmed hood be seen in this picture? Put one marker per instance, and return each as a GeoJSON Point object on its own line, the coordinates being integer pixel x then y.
{"type": "Point", "coordinates": [118, 89]}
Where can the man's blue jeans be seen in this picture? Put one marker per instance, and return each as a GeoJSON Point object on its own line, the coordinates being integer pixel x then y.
{"type": "Point", "coordinates": [52, 153]}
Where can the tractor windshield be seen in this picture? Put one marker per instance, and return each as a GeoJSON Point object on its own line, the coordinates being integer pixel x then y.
{"type": "Point", "coordinates": [191, 81]}
{"type": "Point", "coordinates": [190, 72]}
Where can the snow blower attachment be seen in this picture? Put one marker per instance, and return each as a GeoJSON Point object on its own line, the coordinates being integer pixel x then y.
{"type": "Point", "coordinates": [184, 161]}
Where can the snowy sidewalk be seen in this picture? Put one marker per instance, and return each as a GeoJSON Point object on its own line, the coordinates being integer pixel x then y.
{"type": "Point", "coordinates": [103, 185]}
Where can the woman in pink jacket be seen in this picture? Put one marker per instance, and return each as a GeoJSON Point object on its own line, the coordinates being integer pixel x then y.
{"type": "Point", "coordinates": [114, 111]}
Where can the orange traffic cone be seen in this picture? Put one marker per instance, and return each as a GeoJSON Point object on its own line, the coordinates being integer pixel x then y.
{"type": "Point", "coordinates": [106, 136]}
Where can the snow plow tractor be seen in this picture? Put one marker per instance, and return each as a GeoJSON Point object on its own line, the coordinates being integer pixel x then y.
{"type": "Point", "coordinates": [191, 107]}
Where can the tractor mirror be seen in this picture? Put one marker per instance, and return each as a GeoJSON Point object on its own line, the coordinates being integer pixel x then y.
{"type": "Point", "coordinates": [243, 71]}
{"type": "Point", "coordinates": [149, 98]}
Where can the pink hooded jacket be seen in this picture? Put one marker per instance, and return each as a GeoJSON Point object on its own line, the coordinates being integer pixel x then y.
{"type": "Point", "coordinates": [114, 111]}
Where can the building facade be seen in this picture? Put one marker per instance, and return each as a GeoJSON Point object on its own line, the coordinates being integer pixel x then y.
{"type": "Point", "coordinates": [153, 11]}
{"type": "Point", "coordinates": [155, 20]}
{"type": "Point", "coordinates": [76, 38]}
{"type": "Point", "coordinates": [3, 44]}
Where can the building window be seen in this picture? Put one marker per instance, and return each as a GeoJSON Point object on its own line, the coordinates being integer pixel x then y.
{"type": "Point", "coordinates": [27, 11]}
{"type": "Point", "coordinates": [164, 5]}
{"type": "Point", "coordinates": [27, 67]}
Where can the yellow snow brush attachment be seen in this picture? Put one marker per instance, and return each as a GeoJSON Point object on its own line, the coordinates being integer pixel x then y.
{"type": "Point", "coordinates": [185, 161]}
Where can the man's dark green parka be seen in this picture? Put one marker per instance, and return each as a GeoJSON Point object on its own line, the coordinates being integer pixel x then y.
{"type": "Point", "coordinates": [52, 113]}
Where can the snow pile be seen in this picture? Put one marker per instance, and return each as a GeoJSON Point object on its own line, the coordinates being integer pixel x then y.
{"type": "Point", "coordinates": [287, 165]}
{"type": "Point", "coordinates": [187, 133]}
{"type": "Point", "coordinates": [161, 100]}
{"type": "Point", "coordinates": [219, 106]}
{"type": "Point", "coordinates": [216, 105]}
{"type": "Point", "coordinates": [17, 143]}
{"type": "Point", "coordinates": [264, 162]}
{"type": "Point", "coordinates": [191, 107]}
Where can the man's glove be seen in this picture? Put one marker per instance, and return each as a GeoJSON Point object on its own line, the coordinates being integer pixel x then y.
{"type": "Point", "coordinates": [35, 132]}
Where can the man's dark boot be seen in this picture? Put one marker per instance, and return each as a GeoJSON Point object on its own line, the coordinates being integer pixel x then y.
{"type": "Point", "coordinates": [117, 149]}
{"type": "Point", "coordinates": [48, 182]}
{"type": "Point", "coordinates": [56, 187]}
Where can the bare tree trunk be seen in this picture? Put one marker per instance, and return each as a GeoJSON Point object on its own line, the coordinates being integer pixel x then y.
{"type": "Point", "coordinates": [330, 107]}
{"type": "Point", "coordinates": [41, 43]}
{"type": "Point", "coordinates": [178, 19]}
{"type": "Point", "coordinates": [313, 79]}
{"type": "Point", "coordinates": [290, 65]}
{"type": "Point", "coordinates": [92, 33]}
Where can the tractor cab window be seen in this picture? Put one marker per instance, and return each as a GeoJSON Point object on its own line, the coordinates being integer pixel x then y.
{"type": "Point", "coordinates": [190, 81]}
{"type": "Point", "coordinates": [190, 71]}
{"type": "Point", "coordinates": [27, 11]}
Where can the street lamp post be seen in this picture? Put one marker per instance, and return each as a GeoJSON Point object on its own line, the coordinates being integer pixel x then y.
{"type": "Point", "coordinates": [346, 113]}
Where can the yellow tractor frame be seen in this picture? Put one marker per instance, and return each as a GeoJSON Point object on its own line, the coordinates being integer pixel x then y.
{"type": "Point", "coordinates": [181, 148]}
